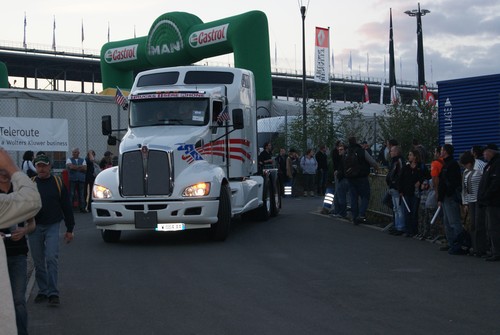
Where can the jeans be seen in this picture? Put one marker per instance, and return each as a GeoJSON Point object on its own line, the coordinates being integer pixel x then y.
{"type": "Point", "coordinates": [81, 196]}
{"type": "Point", "coordinates": [451, 219]}
{"type": "Point", "coordinates": [341, 189]}
{"type": "Point", "coordinates": [44, 246]}
{"type": "Point", "coordinates": [18, 280]}
{"type": "Point", "coordinates": [359, 189]}
{"type": "Point", "coordinates": [397, 207]}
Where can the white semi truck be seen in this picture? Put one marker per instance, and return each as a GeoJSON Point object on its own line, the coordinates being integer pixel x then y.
{"type": "Point", "coordinates": [189, 157]}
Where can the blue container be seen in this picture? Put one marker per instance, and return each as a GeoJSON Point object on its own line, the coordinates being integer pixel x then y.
{"type": "Point", "coordinates": [469, 112]}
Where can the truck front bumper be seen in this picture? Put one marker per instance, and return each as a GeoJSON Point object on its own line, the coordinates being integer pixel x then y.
{"type": "Point", "coordinates": [144, 215]}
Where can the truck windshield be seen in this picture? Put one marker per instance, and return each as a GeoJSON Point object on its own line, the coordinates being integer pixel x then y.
{"type": "Point", "coordinates": [184, 112]}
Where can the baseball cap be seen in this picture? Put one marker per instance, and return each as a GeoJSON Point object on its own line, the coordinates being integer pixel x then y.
{"type": "Point", "coordinates": [42, 159]}
{"type": "Point", "coordinates": [491, 146]}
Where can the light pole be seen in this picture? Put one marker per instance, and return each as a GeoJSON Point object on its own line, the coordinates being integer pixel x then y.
{"type": "Point", "coordinates": [304, 94]}
{"type": "Point", "coordinates": [420, 42]}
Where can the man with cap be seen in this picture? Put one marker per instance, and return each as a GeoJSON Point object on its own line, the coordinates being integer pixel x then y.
{"type": "Point", "coordinates": [44, 241]}
{"type": "Point", "coordinates": [489, 198]}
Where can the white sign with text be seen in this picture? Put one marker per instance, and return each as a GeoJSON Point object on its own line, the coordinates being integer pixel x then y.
{"type": "Point", "coordinates": [21, 134]}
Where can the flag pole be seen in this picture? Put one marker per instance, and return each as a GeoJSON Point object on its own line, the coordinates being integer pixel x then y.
{"type": "Point", "coordinates": [329, 77]}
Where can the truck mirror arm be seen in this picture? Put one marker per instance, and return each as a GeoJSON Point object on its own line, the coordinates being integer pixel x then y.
{"type": "Point", "coordinates": [218, 138]}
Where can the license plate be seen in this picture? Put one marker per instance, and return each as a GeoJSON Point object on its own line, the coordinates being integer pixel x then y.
{"type": "Point", "coordinates": [170, 226]}
{"type": "Point", "coordinates": [146, 220]}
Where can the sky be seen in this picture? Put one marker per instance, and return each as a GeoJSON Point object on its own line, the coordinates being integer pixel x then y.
{"type": "Point", "coordinates": [461, 37]}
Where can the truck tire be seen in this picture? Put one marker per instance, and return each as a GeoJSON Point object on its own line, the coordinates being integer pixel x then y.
{"type": "Point", "coordinates": [220, 230]}
{"type": "Point", "coordinates": [111, 236]}
{"type": "Point", "coordinates": [264, 212]}
{"type": "Point", "coordinates": [275, 196]}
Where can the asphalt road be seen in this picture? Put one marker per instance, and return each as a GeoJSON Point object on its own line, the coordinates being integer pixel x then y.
{"type": "Point", "coordinates": [299, 273]}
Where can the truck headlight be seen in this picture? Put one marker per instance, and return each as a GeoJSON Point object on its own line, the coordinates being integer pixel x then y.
{"type": "Point", "coordinates": [197, 190]}
{"type": "Point", "coordinates": [101, 192]}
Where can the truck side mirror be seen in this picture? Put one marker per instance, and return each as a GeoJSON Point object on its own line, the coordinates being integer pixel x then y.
{"type": "Point", "coordinates": [106, 124]}
{"type": "Point", "coordinates": [238, 118]}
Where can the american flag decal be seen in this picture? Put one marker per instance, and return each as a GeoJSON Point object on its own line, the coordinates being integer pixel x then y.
{"type": "Point", "coordinates": [190, 154]}
{"type": "Point", "coordinates": [238, 150]}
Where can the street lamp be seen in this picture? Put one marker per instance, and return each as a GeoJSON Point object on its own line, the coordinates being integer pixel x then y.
{"type": "Point", "coordinates": [304, 94]}
{"type": "Point", "coordinates": [420, 42]}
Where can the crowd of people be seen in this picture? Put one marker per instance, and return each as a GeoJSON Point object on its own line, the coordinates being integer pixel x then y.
{"type": "Point", "coordinates": [463, 195]}
{"type": "Point", "coordinates": [455, 199]}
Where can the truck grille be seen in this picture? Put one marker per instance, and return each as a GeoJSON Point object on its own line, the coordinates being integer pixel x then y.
{"type": "Point", "coordinates": [148, 174]}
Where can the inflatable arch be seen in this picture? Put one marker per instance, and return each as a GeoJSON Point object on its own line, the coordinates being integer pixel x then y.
{"type": "Point", "coordinates": [179, 38]}
{"type": "Point", "coordinates": [4, 76]}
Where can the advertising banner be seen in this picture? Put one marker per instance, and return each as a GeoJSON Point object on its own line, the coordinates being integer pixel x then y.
{"type": "Point", "coordinates": [21, 134]}
{"type": "Point", "coordinates": [322, 55]}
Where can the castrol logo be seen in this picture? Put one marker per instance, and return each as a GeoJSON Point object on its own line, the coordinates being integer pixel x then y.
{"type": "Point", "coordinates": [122, 54]}
{"type": "Point", "coordinates": [208, 36]}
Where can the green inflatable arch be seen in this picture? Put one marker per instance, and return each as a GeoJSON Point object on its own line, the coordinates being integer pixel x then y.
{"type": "Point", "coordinates": [4, 76]}
{"type": "Point", "coordinates": [180, 38]}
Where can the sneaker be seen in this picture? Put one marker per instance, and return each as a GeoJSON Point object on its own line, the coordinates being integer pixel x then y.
{"type": "Point", "coordinates": [54, 300]}
{"type": "Point", "coordinates": [40, 298]}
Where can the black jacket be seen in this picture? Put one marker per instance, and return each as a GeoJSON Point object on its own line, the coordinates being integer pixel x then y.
{"type": "Point", "coordinates": [55, 204]}
{"type": "Point", "coordinates": [450, 180]}
{"type": "Point", "coordinates": [409, 177]}
{"type": "Point", "coordinates": [489, 186]}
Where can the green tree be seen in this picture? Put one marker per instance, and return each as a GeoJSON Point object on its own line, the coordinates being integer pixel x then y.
{"type": "Point", "coordinates": [407, 122]}
{"type": "Point", "coordinates": [352, 122]}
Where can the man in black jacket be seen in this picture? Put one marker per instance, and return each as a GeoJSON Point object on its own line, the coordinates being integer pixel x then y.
{"type": "Point", "coordinates": [44, 241]}
{"type": "Point", "coordinates": [449, 198]}
{"type": "Point", "coordinates": [489, 197]}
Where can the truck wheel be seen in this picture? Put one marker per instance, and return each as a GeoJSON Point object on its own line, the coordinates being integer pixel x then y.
{"type": "Point", "coordinates": [264, 212]}
{"type": "Point", "coordinates": [220, 230]}
{"type": "Point", "coordinates": [111, 236]}
{"type": "Point", "coordinates": [275, 197]}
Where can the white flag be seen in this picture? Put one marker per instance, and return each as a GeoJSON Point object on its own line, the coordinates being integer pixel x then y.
{"type": "Point", "coordinates": [24, 38]}
{"type": "Point", "coordinates": [54, 35]}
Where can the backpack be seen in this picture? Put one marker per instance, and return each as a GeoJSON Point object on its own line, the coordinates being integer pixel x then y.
{"type": "Point", "coordinates": [352, 164]}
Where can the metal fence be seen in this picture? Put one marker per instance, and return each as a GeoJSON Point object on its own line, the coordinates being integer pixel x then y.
{"type": "Point", "coordinates": [83, 112]}
{"type": "Point", "coordinates": [378, 189]}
